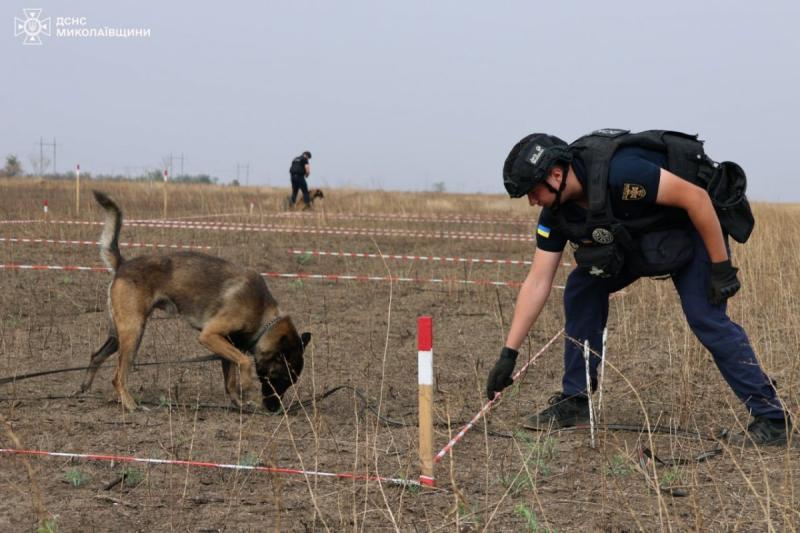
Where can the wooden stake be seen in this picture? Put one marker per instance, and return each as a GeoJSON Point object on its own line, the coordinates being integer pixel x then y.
{"type": "Point", "coordinates": [77, 190]}
{"type": "Point", "coordinates": [425, 380]}
{"type": "Point", "coordinates": [166, 177]}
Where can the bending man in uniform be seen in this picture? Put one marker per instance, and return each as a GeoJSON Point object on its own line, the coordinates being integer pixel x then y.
{"type": "Point", "coordinates": [554, 176]}
{"type": "Point", "coordinates": [299, 171]}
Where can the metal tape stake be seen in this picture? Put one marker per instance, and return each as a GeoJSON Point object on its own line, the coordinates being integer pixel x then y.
{"type": "Point", "coordinates": [602, 373]}
{"type": "Point", "coordinates": [589, 390]}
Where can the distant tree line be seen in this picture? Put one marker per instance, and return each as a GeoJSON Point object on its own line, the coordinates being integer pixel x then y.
{"type": "Point", "coordinates": [13, 168]}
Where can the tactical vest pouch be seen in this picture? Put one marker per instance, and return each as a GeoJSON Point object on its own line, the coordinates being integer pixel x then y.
{"type": "Point", "coordinates": [684, 154]}
{"type": "Point", "coordinates": [658, 253]}
{"type": "Point", "coordinates": [600, 260]}
{"type": "Point", "coordinates": [727, 191]}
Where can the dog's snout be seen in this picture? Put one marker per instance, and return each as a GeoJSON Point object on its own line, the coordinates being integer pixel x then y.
{"type": "Point", "coordinates": [272, 403]}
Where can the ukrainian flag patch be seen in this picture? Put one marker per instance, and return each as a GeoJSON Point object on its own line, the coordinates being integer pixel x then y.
{"type": "Point", "coordinates": [543, 230]}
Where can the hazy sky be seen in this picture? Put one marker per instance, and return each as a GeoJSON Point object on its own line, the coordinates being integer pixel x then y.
{"type": "Point", "coordinates": [400, 95]}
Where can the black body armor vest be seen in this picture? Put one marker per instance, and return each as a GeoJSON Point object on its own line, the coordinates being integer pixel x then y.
{"type": "Point", "coordinates": [660, 244]}
{"type": "Point", "coordinates": [685, 158]}
{"type": "Point", "coordinates": [298, 167]}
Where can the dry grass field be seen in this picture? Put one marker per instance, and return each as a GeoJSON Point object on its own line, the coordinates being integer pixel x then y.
{"type": "Point", "coordinates": [498, 478]}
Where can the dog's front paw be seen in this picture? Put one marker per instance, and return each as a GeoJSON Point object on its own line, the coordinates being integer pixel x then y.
{"type": "Point", "coordinates": [237, 402]}
{"type": "Point", "coordinates": [128, 403]}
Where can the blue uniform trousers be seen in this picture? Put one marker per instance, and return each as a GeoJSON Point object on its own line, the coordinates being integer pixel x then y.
{"type": "Point", "coordinates": [299, 184]}
{"type": "Point", "coordinates": [586, 310]}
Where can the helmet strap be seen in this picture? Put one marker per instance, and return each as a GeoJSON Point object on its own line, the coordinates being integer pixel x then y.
{"type": "Point", "coordinates": [557, 204]}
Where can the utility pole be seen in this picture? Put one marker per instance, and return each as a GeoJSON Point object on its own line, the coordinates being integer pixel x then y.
{"type": "Point", "coordinates": [42, 144]}
{"type": "Point", "coordinates": [246, 168]}
{"type": "Point", "coordinates": [170, 165]}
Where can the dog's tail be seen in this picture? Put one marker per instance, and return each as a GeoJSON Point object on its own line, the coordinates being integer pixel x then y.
{"type": "Point", "coordinates": [109, 240]}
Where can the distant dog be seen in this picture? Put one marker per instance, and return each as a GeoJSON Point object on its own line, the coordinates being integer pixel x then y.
{"type": "Point", "coordinates": [230, 306]}
{"type": "Point", "coordinates": [298, 204]}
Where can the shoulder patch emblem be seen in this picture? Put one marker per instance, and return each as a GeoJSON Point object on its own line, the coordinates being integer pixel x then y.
{"type": "Point", "coordinates": [633, 191]}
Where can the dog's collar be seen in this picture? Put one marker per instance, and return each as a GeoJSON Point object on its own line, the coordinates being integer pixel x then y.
{"type": "Point", "coordinates": [262, 331]}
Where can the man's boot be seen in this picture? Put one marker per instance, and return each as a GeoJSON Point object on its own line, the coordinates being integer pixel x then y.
{"type": "Point", "coordinates": [762, 432]}
{"type": "Point", "coordinates": [564, 411]}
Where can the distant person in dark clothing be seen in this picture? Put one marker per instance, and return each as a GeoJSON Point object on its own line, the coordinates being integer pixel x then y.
{"type": "Point", "coordinates": [299, 172]}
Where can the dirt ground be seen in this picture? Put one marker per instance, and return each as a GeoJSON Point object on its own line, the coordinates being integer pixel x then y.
{"type": "Point", "coordinates": [498, 478]}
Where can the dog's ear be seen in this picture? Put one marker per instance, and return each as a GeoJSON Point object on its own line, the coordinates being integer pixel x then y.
{"type": "Point", "coordinates": [305, 338]}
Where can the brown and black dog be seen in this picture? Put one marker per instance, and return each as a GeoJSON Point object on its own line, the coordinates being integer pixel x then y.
{"type": "Point", "coordinates": [231, 307]}
{"type": "Point", "coordinates": [298, 204]}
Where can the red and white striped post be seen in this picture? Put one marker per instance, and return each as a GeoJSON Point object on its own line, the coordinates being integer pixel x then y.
{"type": "Point", "coordinates": [44, 207]}
{"type": "Point", "coordinates": [425, 380]}
{"type": "Point", "coordinates": [77, 189]}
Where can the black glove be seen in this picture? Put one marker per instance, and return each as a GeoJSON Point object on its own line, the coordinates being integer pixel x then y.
{"type": "Point", "coordinates": [500, 376]}
{"type": "Point", "coordinates": [724, 282]}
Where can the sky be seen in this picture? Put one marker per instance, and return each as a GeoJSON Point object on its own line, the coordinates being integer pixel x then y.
{"type": "Point", "coordinates": [396, 95]}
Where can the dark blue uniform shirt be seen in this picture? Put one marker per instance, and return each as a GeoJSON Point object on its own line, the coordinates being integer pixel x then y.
{"type": "Point", "coordinates": [633, 179]}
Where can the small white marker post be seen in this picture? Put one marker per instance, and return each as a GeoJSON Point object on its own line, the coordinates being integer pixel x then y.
{"type": "Point", "coordinates": [252, 205]}
{"type": "Point", "coordinates": [589, 390]}
{"type": "Point", "coordinates": [602, 372]}
{"type": "Point", "coordinates": [44, 208]}
{"type": "Point", "coordinates": [77, 189]}
{"type": "Point", "coordinates": [166, 177]}
{"type": "Point", "coordinates": [425, 380]}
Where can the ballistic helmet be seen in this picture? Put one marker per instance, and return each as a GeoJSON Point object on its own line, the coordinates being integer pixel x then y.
{"type": "Point", "coordinates": [529, 162]}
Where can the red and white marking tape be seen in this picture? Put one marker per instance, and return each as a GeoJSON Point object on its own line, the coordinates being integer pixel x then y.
{"type": "Point", "coordinates": [404, 257]}
{"type": "Point", "coordinates": [320, 253]}
{"type": "Point", "coordinates": [206, 464]}
{"type": "Point", "coordinates": [399, 217]}
{"type": "Point", "coordinates": [26, 240]}
{"type": "Point", "coordinates": [12, 266]}
{"type": "Point", "coordinates": [371, 218]}
{"type": "Point", "coordinates": [304, 275]}
{"type": "Point", "coordinates": [275, 228]}
{"type": "Point", "coordinates": [485, 409]}
{"type": "Point", "coordinates": [187, 219]}
{"type": "Point", "coordinates": [400, 279]}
